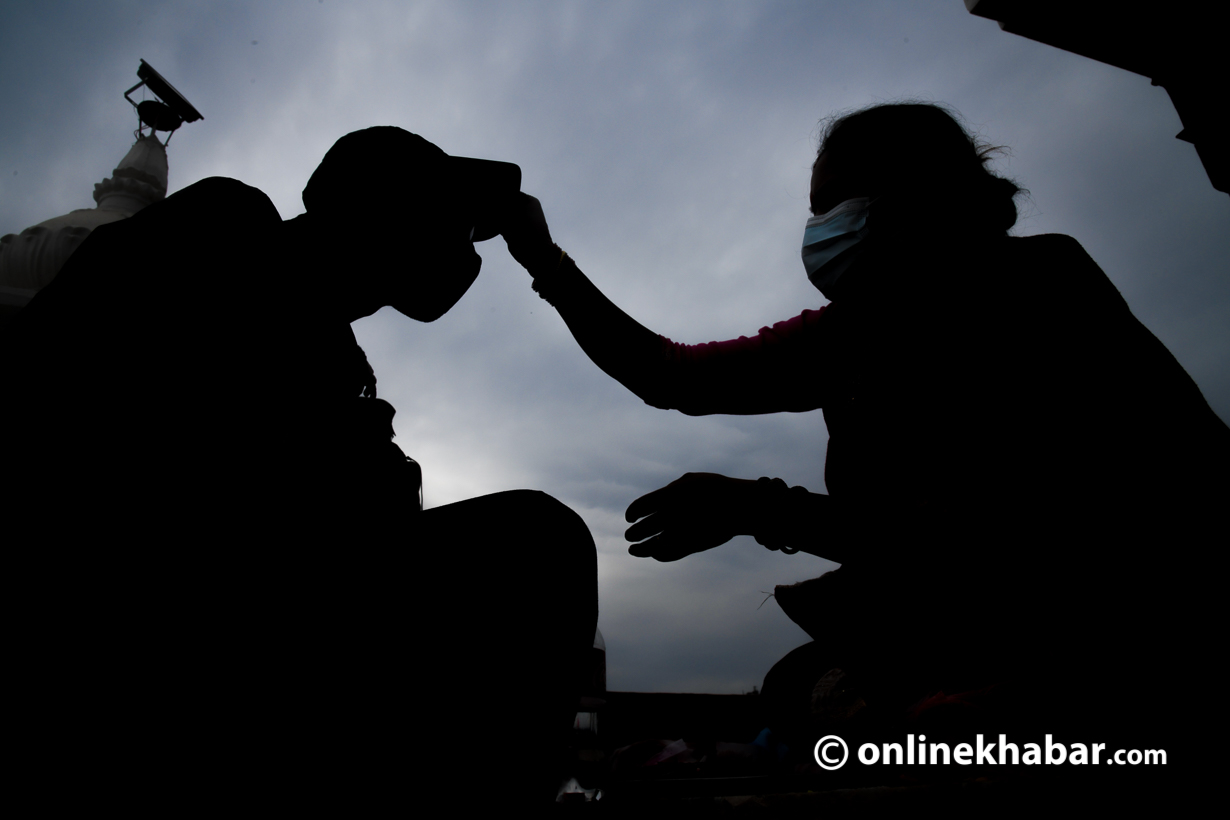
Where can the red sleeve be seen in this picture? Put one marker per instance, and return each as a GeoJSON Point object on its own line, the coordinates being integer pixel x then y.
{"type": "Point", "coordinates": [788, 332]}
{"type": "Point", "coordinates": [771, 372]}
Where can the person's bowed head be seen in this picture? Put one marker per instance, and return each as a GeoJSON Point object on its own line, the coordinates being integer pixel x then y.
{"type": "Point", "coordinates": [395, 219]}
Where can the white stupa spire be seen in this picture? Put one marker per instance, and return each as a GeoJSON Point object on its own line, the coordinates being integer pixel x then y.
{"type": "Point", "coordinates": [31, 259]}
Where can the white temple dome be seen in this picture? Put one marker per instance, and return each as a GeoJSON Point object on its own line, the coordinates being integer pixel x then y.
{"type": "Point", "coordinates": [31, 259]}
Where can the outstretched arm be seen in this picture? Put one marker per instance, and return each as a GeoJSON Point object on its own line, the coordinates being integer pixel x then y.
{"type": "Point", "coordinates": [742, 376]}
{"type": "Point", "coordinates": [626, 350]}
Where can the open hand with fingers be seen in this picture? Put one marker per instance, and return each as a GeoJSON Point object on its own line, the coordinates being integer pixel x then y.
{"type": "Point", "coordinates": [696, 512]}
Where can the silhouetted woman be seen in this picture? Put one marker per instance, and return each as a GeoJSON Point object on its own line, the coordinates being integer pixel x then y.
{"type": "Point", "coordinates": [1011, 453]}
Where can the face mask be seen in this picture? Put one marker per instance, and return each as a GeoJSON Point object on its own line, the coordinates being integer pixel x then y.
{"type": "Point", "coordinates": [830, 242]}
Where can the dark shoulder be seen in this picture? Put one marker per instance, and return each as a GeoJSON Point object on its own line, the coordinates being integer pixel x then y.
{"type": "Point", "coordinates": [232, 191]}
{"type": "Point", "coordinates": [1060, 268]}
{"type": "Point", "coordinates": [1056, 248]}
{"type": "Point", "coordinates": [219, 199]}
{"type": "Point", "coordinates": [1053, 248]}
{"type": "Point", "coordinates": [216, 228]}
{"type": "Point", "coordinates": [195, 220]}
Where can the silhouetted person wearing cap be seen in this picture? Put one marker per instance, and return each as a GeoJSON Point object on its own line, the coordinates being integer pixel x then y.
{"type": "Point", "coordinates": [223, 588]}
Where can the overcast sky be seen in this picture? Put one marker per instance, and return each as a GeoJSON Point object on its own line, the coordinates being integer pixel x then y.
{"type": "Point", "coordinates": [670, 144]}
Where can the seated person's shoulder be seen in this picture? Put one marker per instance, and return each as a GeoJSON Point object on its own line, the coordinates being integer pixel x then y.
{"type": "Point", "coordinates": [201, 218]}
{"type": "Point", "coordinates": [212, 226]}
{"type": "Point", "coordinates": [221, 198]}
